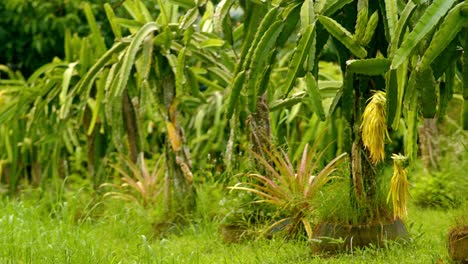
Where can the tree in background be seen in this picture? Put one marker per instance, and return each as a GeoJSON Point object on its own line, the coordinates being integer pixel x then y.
{"type": "Point", "coordinates": [32, 32]}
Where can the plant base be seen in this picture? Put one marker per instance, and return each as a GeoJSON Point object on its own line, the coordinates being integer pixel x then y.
{"type": "Point", "coordinates": [458, 244]}
{"type": "Point", "coordinates": [335, 237]}
{"type": "Point", "coordinates": [232, 233]}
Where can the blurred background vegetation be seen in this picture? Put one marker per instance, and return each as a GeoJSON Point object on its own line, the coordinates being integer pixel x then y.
{"type": "Point", "coordinates": [32, 31]}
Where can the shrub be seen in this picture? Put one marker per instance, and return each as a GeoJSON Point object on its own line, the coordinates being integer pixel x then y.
{"type": "Point", "coordinates": [443, 189]}
{"type": "Point", "coordinates": [447, 186]}
{"type": "Point", "coordinates": [292, 190]}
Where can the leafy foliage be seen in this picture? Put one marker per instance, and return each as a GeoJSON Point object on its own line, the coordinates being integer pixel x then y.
{"type": "Point", "coordinates": [292, 191]}
{"type": "Point", "coordinates": [138, 184]}
{"type": "Point", "coordinates": [439, 190]}
{"type": "Point", "coordinates": [446, 187]}
{"type": "Point", "coordinates": [32, 32]}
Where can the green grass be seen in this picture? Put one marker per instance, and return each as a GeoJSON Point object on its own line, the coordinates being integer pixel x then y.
{"type": "Point", "coordinates": [35, 230]}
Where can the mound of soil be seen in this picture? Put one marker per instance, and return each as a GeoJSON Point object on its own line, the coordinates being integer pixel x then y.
{"type": "Point", "coordinates": [458, 244]}
{"type": "Point", "coordinates": [335, 237]}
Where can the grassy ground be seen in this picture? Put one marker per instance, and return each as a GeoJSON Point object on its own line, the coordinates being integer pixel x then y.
{"type": "Point", "coordinates": [43, 232]}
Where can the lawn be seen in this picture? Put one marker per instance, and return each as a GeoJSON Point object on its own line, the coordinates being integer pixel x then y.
{"type": "Point", "coordinates": [35, 230]}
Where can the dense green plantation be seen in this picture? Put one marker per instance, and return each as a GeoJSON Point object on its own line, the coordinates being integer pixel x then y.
{"type": "Point", "coordinates": [277, 131]}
